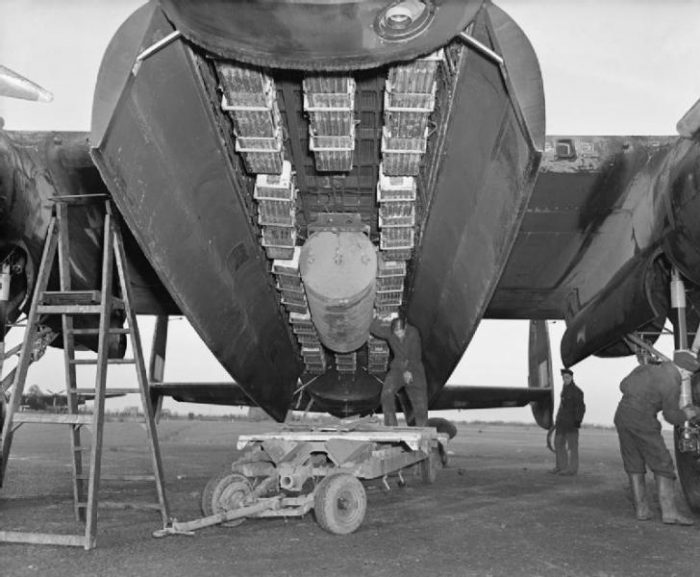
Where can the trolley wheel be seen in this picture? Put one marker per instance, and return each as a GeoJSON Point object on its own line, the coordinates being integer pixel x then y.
{"type": "Point", "coordinates": [225, 492]}
{"type": "Point", "coordinates": [429, 467]}
{"type": "Point", "coordinates": [340, 503]}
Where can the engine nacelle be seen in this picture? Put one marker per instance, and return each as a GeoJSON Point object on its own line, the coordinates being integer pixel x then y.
{"type": "Point", "coordinates": [682, 245]}
{"type": "Point", "coordinates": [636, 298]}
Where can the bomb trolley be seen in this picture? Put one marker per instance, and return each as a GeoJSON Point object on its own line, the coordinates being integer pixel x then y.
{"type": "Point", "coordinates": [290, 472]}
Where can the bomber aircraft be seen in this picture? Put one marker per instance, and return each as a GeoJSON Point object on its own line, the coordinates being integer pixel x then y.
{"type": "Point", "coordinates": [37, 400]}
{"type": "Point", "coordinates": [288, 171]}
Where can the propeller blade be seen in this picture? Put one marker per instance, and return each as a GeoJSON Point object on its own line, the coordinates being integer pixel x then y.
{"type": "Point", "coordinates": [15, 86]}
{"type": "Point", "coordinates": [689, 125]}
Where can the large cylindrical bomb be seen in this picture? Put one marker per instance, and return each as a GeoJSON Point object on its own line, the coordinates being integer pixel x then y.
{"type": "Point", "coordinates": [339, 271]}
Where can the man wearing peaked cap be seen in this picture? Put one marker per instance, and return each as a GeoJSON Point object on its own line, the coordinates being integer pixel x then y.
{"type": "Point", "coordinates": [567, 424]}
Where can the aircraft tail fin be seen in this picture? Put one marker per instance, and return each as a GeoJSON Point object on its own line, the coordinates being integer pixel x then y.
{"type": "Point", "coordinates": [540, 374]}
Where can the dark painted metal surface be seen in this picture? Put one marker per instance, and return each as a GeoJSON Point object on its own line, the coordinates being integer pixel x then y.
{"type": "Point", "coordinates": [161, 152]}
{"type": "Point", "coordinates": [603, 209]}
{"type": "Point", "coordinates": [484, 178]}
{"type": "Point", "coordinates": [683, 244]}
{"type": "Point", "coordinates": [462, 397]}
{"type": "Point", "coordinates": [342, 395]}
{"type": "Point", "coordinates": [636, 296]}
{"type": "Point", "coordinates": [34, 168]}
{"type": "Point", "coordinates": [338, 35]}
{"type": "Point", "coordinates": [589, 214]}
{"type": "Point", "coordinates": [523, 68]}
{"type": "Point", "coordinates": [360, 394]}
{"type": "Point", "coordinates": [540, 375]}
{"type": "Point", "coordinates": [224, 393]}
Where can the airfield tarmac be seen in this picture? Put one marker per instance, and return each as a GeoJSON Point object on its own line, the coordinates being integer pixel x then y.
{"type": "Point", "coordinates": [495, 511]}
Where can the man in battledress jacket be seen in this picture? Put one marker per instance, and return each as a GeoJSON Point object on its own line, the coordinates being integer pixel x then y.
{"type": "Point", "coordinates": [405, 371]}
{"type": "Point", "coordinates": [567, 425]}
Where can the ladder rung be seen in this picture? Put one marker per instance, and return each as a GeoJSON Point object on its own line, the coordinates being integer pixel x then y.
{"type": "Point", "coordinates": [44, 418]}
{"type": "Point", "coordinates": [123, 505]}
{"type": "Point", "coordinates": [94, 361]}
{"type": "Point", "coordinates": [71, 297]}
{"type": "Point", "coordinates": [109, 391]}
{"type": "Point", "coordinates": [76, 309]}
{"type": "Point", "coordinates": [69, 309]}
{"type": "Point", "coordinates": [43, 538]}
{"type": "Point", "coordinates": [119, 477]}
{"type": "Point", "coordinates": [111, 331]}
{"type": "Point", "coordinates": [70, 199]}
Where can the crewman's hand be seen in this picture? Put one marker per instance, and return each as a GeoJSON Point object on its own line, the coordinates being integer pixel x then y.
{"type": "Point", "coordinates": [691, 412]}
{"type": "Point", "coordinates": [407, 377]}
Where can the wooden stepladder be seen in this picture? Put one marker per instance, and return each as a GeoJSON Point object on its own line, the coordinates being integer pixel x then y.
{"type": "Point", "coordinates": [69, 303]}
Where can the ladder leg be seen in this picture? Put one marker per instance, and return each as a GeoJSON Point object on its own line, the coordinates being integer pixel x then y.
{"type": "Point", "coordinates": [69, 366]}
{"type": "Point", "coordinates": [100, 384]}
{"type": "Point", "coordinates": [25, 357]}
{"type": "Point", "coordinates": [141, 374]}
{"type": "Point", "coordinates": [3, 323]}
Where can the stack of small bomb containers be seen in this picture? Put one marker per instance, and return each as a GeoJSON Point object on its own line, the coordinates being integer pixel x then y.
{"type": "Point", "coordinates": [409, 100]}
{"type": "Point", "coordinates": [250, 98]}
{"type": "Point", "coordinates": [329, 102]}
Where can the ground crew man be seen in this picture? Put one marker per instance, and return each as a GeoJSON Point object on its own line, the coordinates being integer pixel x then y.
{"type": "Point", "coordinates": [567, 424]}
{"type": "Point", "coordinates": [405, 371]}
{"type": "Point", "coordinates": [649, 388]}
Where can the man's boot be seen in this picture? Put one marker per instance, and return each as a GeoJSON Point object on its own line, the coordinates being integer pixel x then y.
{"type": "Point", "coordinates": [639, 492]}
{"type": "Point", "coordinates": [669, 513]}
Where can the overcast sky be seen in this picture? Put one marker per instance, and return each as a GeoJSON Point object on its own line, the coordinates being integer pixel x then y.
{"type": "Point", "coordinates": [609, 67]}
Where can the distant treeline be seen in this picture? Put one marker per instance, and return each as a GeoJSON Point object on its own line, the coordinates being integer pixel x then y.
{"type": "Point", "coordinates": [257, 415]}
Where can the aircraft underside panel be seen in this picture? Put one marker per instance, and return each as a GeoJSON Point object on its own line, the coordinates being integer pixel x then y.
{"type": "Point", "coordinates": [166, 166]}
{"type": "Point", "coordinates": [481, 190]}
{"type": "Point", "coordinates": [354, 33]}
{"type": "Point", "coordinates": [286, 209]}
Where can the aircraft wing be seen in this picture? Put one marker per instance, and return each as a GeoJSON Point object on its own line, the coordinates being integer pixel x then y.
{"type": "Point", "coordinates": [484, 397]}
{"type": "Point", "coordinates": [608, 220]}
{"type": "Point", "coordinates": [213, 393]}
{"type": "Point", "coordinates": [582, 202]}
{"type": "Point", "coordinates": [451, 396]}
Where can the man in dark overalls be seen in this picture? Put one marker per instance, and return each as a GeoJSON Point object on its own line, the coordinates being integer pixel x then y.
{"type": "Point", "coordinates": [567, 424]}
{"type": "Point", "coordinates": [649, 388]}
{"type": "Point", "coordinates": [405, 371]}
